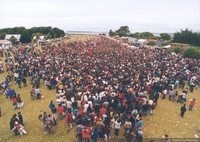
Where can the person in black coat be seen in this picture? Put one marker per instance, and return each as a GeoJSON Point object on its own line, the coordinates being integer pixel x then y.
{"type": "Point", "coordinates": [107, 121]}
{"type": "Point", "coordinates": [20, 119]}
{"type": "Point", "coordinates": [24, 81]}
{"type": "Point", "coordinates": [183, 110]}
{"type": "Point", "coordinates": [12, 123]}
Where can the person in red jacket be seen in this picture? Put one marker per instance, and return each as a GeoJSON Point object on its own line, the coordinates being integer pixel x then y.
{"type": "Point", "coordinates": [80, 111]}
{"type": "Point", "coordinates": [14, 101]}
{"type": "Point", "coordinates": [103, 111]}
{"type": "Point", "coordinates": [85, 134]}
{"type": "Point", "coordinates": [60, 111]}
{"type": "Point", "coordinates": [191, 104]}
{"type": "Point", "coordinates": [69, 118]}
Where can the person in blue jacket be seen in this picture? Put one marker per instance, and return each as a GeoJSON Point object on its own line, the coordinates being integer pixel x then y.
{"type": "Point", "coordinates": [52, 106]}
{"type": "Point", "coordinates": [95, 135]}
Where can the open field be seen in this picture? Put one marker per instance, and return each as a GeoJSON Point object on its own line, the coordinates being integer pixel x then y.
{"type": "Point", "coordinates": [166, 120]}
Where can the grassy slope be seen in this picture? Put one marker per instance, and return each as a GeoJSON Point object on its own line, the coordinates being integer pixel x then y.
{"type": "Point", "coordinates": [163, 122]}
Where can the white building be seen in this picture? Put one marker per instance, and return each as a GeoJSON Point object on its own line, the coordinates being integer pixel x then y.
{"type": "Point", "coordinates": [5, 44]}
{"type": "Point", "coordinates": [13, 36]}
{"type": "Point", "coordinates": [142, 41]}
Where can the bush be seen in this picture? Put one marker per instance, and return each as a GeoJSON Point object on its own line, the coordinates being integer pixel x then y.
{"type": "Point", "coordinates": [152, 43]}
{"type": "Point", "coordinates": [176, 49]}
{"type": "Point", "coordinates": [193, 52]}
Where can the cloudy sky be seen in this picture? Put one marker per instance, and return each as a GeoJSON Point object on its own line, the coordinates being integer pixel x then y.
{"type": "Point", "coordinates": [102, 15]}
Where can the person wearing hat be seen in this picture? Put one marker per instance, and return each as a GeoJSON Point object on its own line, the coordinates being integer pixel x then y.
{"type": "Point", "coordinates": [19, 128]}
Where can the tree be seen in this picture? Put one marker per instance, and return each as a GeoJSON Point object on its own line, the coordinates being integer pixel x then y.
{"type": "Point", "coordinates": [123, 31]}
{"type": "Point", "coordinates": [165, 36]}
{"type": "Point", "coordinates": [48, 36]}
{"type": "Point", "coordinates": [25, 37]}
{"type": "Point", "coordinates": [13, 40]}
{"type": "Point", "coordinates": [188, 37]}
{"type": "Point", "coordinates": [51, 32]}
{"type": "Point", "coordinates": [152, 43]}
{"type": "Point", "coordinates": [58, 33]}
{"type": "Point", "coordinates": [136, 35]}
{"type": "Point", "coordinates": [2, 35]}
{"type": "Point", "coordinates": [111, 33]}
{"type": "Point", "coordinates": [37, 35]}
{"type": "Point", "coordinates": [18, 30]}
{"type": "Point", "coordinates": [146, 35]}
{"type": "Point", "coordinates": [177, 49]}
{"type": "Point", "coordinates": [192, 52]}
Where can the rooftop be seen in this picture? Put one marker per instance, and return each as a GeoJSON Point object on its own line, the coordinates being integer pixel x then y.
{"type": "Point", "coordinates": [2, 41]}
{"type": "Point", "coordinates": [176, 43]}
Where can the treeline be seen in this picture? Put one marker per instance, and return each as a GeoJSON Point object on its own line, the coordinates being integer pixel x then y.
{"type": "Point", "coordinates": [28, 34]}
{"type": "Point", "coordinates": [124, 31]}
{"type": "Point", "coordinates": [187, 36]}
{"type": "Point", "coordinates": [184, 36]}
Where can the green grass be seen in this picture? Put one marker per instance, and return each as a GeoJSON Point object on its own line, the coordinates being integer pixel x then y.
{"type": "Point", "coordinates": [162, 122]}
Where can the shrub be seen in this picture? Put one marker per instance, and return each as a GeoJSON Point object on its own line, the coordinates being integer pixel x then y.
{"type": "Point", "coordinates": [192, 52]}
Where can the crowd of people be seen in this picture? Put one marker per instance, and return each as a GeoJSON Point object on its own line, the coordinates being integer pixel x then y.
{"type": "Point", "coordinates": [101, 85]}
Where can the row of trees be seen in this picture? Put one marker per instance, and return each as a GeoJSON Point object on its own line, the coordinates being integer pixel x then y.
{"type": "Point", "coordinates": [124, 31]}
{"type": "Point", "coordinates": [28, 34]}
{"type": "Point", "coordinates": [184, 36]}
{"type": "Point", "coordinates": [187, 36]}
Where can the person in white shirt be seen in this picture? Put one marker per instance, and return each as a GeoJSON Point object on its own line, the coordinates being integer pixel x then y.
{"type": "Point", "coordinates": [84, 97]}
{"type": "Point", "coordinates": [58, 101]}
{"type": "Point", "coordinates": [90, 103]}
{"type": "Point", "coordinates": [16, 75]}
{"type": "Point", "coordinates": [164, 93]}
{"type": "Point", "coordinates": [117, 127]}
{"type": "Point", "coordinates": [85, 107]}
{"type": "Point", "coordinates": [69, 104]}
{"type": "Point", "coordinates": [104, 116]}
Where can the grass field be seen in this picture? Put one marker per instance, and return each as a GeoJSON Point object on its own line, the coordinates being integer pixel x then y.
{"type": "Point", "coordinates": [166, 120]}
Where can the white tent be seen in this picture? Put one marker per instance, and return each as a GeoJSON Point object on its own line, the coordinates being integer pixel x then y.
{"type": "Point", "coordinates": [142, 41]}
{"type": "Point", "coordinates": [167, 46]}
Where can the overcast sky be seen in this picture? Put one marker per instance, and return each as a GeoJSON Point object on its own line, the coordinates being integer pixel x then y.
{"type": "Point", "coordinates": [102, 15]}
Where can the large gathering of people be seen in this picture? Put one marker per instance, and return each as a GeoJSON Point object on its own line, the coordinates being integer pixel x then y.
{"type": "Point", "coordinates": [100, 85]}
